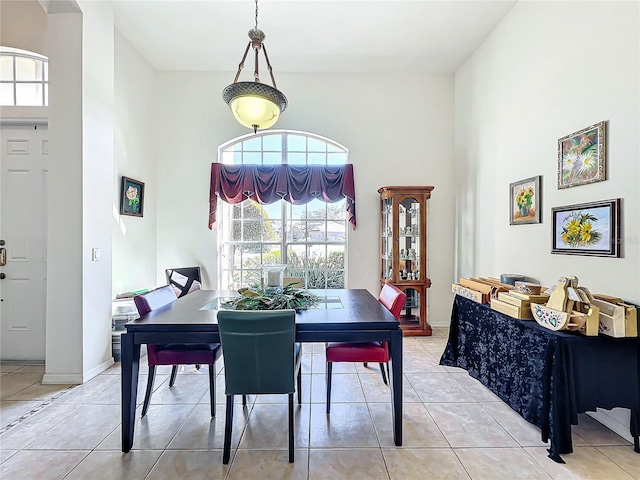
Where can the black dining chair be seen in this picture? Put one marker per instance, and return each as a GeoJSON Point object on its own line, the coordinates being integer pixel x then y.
{"type": "Point", "coordinates": [184, 280]}
{"type": "Point", "coordinates": [260, 357]}
{"type": "Point", "coordinates": [175, 353]}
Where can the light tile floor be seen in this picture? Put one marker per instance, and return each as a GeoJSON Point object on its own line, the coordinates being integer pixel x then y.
{"type": "Point", "coordinates": [454, 428]}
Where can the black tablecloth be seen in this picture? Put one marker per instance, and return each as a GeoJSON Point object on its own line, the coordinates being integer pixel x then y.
{"type": "Point", "coordinates": [547, 377]}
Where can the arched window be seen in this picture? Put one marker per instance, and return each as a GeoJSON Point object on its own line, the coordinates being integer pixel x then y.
{"type": "Point", "coordinates": [24, 78]}
{"type": "Point", "coordinates": [311, 239]}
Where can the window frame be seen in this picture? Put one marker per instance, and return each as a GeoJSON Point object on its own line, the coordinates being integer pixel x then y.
{"type": "Point", "coordinates": [14, 53]}
{"type": "Point", "coordinates": [229, 155]}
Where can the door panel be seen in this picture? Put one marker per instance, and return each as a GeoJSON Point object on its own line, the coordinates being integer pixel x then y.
{"type": "Point", "coordinates": [23, 227]}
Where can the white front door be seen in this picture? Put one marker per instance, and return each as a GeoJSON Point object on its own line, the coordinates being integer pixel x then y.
{"type": "Point", "coordinates": [23, 230]}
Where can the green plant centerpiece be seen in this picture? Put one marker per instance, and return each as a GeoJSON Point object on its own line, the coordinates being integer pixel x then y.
{"type": "Point", "coordinates": [256, 299]}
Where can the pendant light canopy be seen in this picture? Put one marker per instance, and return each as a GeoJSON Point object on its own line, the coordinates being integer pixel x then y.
{"type": "Point", "coordinates": [255, 105]}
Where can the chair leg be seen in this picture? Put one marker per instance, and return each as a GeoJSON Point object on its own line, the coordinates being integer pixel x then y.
{"type": "Point", "coordinates": [244, 400]}
{"type": "Point", "coordinates": [228, 426]}
{"type": "Point", "coordinates": [384, 376]}
{"type": "Point", "coordinates": [329, 366]}
{"type": "Point", "coordinates": [174, 372]}
{"type": "Point", "coordinates": [212, 388]}
{"type": "Point", "coordinates": [147, 396]}
{"type": "Point", "coordinates": [300, 386]}
{"type": "Point", "coordinates": [291, 449]}
{"type": "Point", "coordinates": [365, 364]}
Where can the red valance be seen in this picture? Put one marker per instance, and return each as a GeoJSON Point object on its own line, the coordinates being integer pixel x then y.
{"type": "Point", "coordinates": [269, 183]}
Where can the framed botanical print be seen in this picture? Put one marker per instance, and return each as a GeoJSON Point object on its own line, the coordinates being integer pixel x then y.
{"type": "Point", "coordinates": [132, 197]}
{"type": "Point", "coordinates": [525, 201]}
{"type": "Point", "coordinates": [582, 157]}
{"type": "Point", "coordinates": [587, 229]}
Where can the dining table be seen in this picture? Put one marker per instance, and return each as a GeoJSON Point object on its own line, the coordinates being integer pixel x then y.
{"type": "Point", "coordinates": [342, 315]}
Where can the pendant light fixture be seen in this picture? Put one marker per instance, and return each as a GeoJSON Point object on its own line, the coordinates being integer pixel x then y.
{"type": "Point", "coordinates": [255, 105]}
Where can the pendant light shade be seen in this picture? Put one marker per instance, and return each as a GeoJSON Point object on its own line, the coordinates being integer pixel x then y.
{"type": "Point", "coordinates": [255, 105]}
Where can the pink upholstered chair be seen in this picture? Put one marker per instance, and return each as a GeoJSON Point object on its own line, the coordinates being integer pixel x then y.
{"type": "Point", "coordinates": [391, 297]}
{"type": "Point", "coordinates": [175, 353]}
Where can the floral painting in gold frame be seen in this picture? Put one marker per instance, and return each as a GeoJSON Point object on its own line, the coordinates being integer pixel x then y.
{"type": "Point", "coordinates": [525, 199]}
{"type": "Point", "coordinates": [581, 157]}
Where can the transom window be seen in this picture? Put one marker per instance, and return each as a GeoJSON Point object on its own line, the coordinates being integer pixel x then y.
{"type": "Point", "coordinates": [24, 78]}
{"type": "Point", "coordinates": [310, 239]}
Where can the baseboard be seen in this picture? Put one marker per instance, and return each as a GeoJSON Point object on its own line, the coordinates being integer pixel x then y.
{"type": "Point", "coordinates": [75, 378]}
{"type": "Point", "coordinates": [611, 423]}
{"type": "Point", "coordinates": [62, 378]}
{"type": "Point", "coordinates": [97, 370]}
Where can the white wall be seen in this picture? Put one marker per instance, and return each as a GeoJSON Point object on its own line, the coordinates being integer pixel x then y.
{"type": "Point", "coordinates": [134, 238]}
{"type": "Point", "coordinates": [549, 69]}
{"type": "Point", "coordinates": [78, 340]}
{"type": "Point", "coordinates": [399, 131]}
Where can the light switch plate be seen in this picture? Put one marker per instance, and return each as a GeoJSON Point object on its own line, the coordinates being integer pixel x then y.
{"type": "Point", "coordinates": [95, 254]}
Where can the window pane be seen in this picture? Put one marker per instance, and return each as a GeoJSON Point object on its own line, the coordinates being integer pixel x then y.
{"type": "Point", "coordinates": [28, 69]}
{"type": "Point", "coordinates": [333, 148]}
{"type": "Point", "coordinates": [317, 145]}
{"type": "Point", "coordinates": [336, 158]}
{"type": "Point", "coordinates": [6, 68]}
{"type": "Point", "coordinates": [335, 257]}
{"type": "Point", "coordinates": [254, 158]}
{"type": "Point", "coordinates": [317, 231]}
{"type": "Point", "coordinates": [6, 94]}
{"type": "Point", "coordinates": [316, 279]}
{"type": "Point", "coordinates": [296, 257]}
{"type": "Point", "coordinates": [272, 143]}
{"type": "Point", "coordinates": [297, 231]}
{"type": "Point", "coordinates": [336, 211]}
{"type": "Point", "coordinates": [335, 279]}
{"type": "Point", "coordinates": [272, 231]}
{"type": "Point", "coordinates": [46, 94]}
{"type": "Point", "coordinates": [272, 211]}
{"type": "Point", "coordinates": [252, 231]}
{"type": "Point", "coordinates": [252, 145]}
{"type": "Point", "coordinates": [228, 157]}
{"type": "Point", "coordinates": [297, 159]}
{"type": "Point", "coordinates": [271, 254]}
{"type": "Point", "coordinates": [29, 94]}
{"type": "Point", "coordinates": [236, 230]}
{"type": "Point", "coordinates": [316, 209]}
{"type": "Point", "coordinates": [251, 257]}
{"type": "Point", "coordinates": [46, 71]}
{"type": "Point", "coordinates": [251, 278]}
{"type": "Point", "coordinates": [336, 232]}
{"type": "Point", "coordinates": [251, 209]}
{"type": "Point", "coordinates": [297, 212]}
{"type": "Point", "coordinates": [272, 158]}
{"type": "Point", "coordinates": [317, 159]}
{"type": "Point", "coordinates": [296, 143]}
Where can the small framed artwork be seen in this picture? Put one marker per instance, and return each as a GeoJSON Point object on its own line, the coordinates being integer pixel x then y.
{"type": "Point", "coordinates": [587, 229]}
{"type": "Point", "coordinates": [524, 201]}
{"type": "Point", "coordinates": [132, 197]}
{"type": "Point", "coordinates": [581, 157]}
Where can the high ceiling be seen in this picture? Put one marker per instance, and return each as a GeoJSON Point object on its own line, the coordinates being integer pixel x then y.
{"type": "Point", "coordinates": [376, 36]}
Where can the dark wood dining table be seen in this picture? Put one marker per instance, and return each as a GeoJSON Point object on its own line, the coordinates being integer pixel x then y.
{"type": "Point", "coordinates": [344, 315]}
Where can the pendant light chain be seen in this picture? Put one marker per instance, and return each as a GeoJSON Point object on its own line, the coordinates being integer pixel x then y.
{"type": "Point", "coordinates": [256, 13]}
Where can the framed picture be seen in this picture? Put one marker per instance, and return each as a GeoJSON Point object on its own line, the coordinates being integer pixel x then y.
{"type": "Point", "coordinates": [581, 157]}
{"type": "Point", "coordinates": [524, 201]}
{"type": "Point", "coordinates": [587, 229]}
{"type": "Point", "coordinates": [131, 197]}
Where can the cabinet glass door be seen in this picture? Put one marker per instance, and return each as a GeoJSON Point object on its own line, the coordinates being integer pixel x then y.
{"type": "Point", "coordinates": [387, 235]}
{"type": "Point", "coordinates": [409, 245]}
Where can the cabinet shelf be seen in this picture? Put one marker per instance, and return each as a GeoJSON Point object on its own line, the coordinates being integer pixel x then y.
{"type": "Point", "coordinates": [405, 208]}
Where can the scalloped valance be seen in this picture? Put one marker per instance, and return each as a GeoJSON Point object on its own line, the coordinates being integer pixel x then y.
{"type": "Point", "coordinates": [270, 183]}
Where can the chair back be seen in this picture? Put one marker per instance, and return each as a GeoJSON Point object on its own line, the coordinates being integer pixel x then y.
{"type": "Point", "coordinates": [154, 299]}
{"type": "Point", "coordinates": [258, 350]}
{"type": "Point", "coordinates": [393, 298]}
{"type": "Point", "coordinates": [184, 280]}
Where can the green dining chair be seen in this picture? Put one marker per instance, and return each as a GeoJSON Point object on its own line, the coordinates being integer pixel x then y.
{"type": "Point", "coordinates": [260, 357]}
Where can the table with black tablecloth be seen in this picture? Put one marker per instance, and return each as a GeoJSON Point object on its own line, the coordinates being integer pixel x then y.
{"type": "Point", "coordinates": [547, 377]}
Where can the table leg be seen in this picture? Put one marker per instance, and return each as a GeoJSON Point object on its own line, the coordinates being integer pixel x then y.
{"type": "Point", "coordinates": [395, 352]}
{"type": "Point", "coordinates": [129, 368]}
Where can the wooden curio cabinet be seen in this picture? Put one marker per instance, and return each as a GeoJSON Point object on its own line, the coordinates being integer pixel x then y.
{"type": "Point", "coordinates": [403, 251]}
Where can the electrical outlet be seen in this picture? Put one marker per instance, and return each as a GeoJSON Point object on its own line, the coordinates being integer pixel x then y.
{"type": "Point", "coordinates": [95, 254]}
